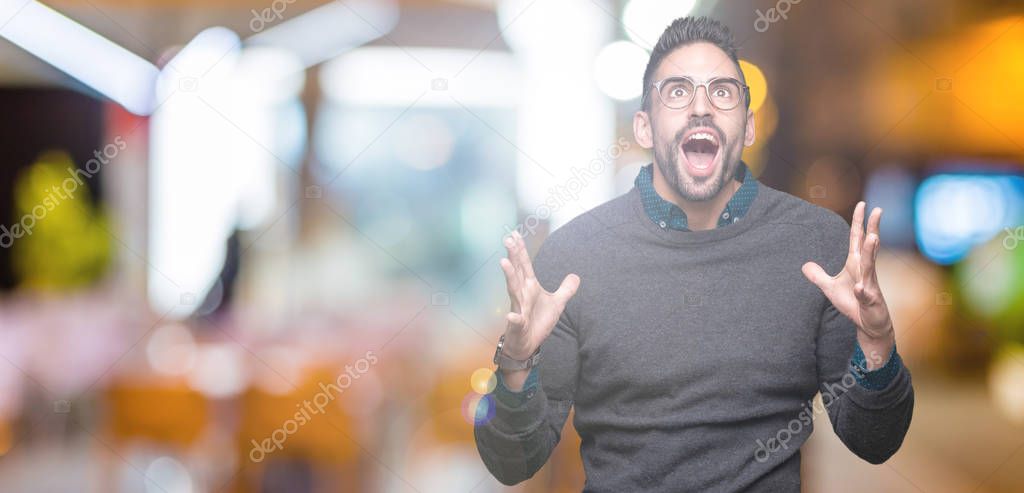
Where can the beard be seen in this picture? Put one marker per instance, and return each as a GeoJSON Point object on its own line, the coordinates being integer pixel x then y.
{"type": "Point", "coordinates": [701, 188]}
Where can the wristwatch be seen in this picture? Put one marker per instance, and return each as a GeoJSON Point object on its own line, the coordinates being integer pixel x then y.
{"type": "Point", "coordinates": [507, 363]}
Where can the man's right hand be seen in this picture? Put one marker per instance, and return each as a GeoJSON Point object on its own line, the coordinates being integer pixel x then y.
{"type": "Point", "coordinates": [535, 312]}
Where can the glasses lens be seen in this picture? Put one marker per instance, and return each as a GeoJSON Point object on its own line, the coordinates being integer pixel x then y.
{"type": "Point", "coordinates": [676, 92]}
{"type": "Point", "coordinates": [725, 94]}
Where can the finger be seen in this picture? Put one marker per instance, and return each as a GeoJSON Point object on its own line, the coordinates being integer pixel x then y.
{"type": "Point", "coordinates": [857, 228]}
{"type": "Point", "coordinates": [513, 279]}
{"type": "Point", "coordinates": [515, 319]}
{"type": "Point", "coordinates": [814, 273]}
{"type": "Point", "coordinates": [874, 220]}
{"type": "Point", "coordinates": [868, 259]}
{"type": "Point", "coordinates": [512, 247]}
{"type": "Point", "coordinates": [519, 255]}
{"type": "Point", "coordinates": [567, 289]}
{"type": "Point", "coordinates": [513, 282]}
{"type": "Point", "coordinates": [864, 295]}
{"type": "Point", "coordinates": [523, 255]}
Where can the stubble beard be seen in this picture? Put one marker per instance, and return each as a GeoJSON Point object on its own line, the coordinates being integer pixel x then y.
{"type": "Point", "coordinates": [695, 189]}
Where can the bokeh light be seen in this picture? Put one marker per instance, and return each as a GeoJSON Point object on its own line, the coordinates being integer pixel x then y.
{"type": "Point", "coordinates": [619, 69]}
{"type": "Point", "coordinates": [478, 409]}
{"type": "Point", "coordinates": [1006, 382]}
{"type": "Point", "coordinates": [171, 350]}
{"type": "Point", "coordinates": [644, 20]}
{"type": "Point", "coordinates": [955, 212]}
{"type": "Point", "coordinates": [483, 380]}
{"type": "Point", "coordinates": [757, 82]}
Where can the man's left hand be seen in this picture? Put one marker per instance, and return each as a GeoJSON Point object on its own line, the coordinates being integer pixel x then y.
{"type": "Point", "coordinates": [855, 292]}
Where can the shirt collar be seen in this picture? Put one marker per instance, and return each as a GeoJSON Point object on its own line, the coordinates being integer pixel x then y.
{"type": "Point", "coordinates": [668, 215]}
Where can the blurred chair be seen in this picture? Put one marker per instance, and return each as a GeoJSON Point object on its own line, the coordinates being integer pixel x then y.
{"type": "Point", "coordinates": [163, 415]}
{"type": "Point", "coordinates": [298, 441]}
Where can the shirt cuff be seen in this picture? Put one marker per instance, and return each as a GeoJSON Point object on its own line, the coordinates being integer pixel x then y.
{"type": "Point", "coordinates": [516, 399]}
{"type": "Point", "coordinates": [878, 378]}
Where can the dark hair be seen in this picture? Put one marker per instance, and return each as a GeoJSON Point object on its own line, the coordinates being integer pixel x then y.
{"type": "Point", "coordinates": [684, 31]}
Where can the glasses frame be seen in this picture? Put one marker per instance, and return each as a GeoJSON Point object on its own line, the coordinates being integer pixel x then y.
{"type": "Point", "coordinates": [707, 91]}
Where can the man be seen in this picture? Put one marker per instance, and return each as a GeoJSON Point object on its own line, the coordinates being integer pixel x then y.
{"type": "Point", "coordinates": [691, 320]}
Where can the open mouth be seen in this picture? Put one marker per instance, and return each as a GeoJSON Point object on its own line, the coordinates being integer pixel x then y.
{"type": "Point", "coordinates": [700, 146]}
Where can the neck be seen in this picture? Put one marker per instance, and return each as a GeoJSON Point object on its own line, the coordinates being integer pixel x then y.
{"type": "Point", "coordinates": [702, 214]}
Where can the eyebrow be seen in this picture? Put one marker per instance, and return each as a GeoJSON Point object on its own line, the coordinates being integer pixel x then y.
{"type": "Point", "coordinates": [737, 79]}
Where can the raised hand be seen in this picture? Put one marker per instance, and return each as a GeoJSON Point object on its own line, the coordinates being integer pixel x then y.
{"type": "Point", "coordinates": [854, 291]}
{"type": "Point", "coordinates": [535, 311]}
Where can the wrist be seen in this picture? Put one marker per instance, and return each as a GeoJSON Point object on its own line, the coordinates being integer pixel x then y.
{"type": "Point", "coordinates": [507, 361]}
{"type": "Point", "coordinates": [511, 345]}
{"type": "Point", "coordinates": [876, 349]}
{"type": "Point", "coordinates": [514, 380]}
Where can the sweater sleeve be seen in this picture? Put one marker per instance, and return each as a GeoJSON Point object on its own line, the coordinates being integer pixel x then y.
{"type": "Point", "coordinates": [871, 420]}
{"type": "Point", "coordinates": [526, 426]}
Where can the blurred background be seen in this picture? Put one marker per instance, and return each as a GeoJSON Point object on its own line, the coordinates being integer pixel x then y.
{"type": "Point", "coordinates": [252, 245]}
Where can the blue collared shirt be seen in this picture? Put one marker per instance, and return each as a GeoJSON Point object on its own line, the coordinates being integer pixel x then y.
{"type": "Point", "coordinates": [668, 215]}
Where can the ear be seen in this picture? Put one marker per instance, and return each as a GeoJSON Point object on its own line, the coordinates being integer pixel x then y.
{"type": "Point", "coordinates": [748, 140]}
{"type": "Point", "coordinates": [642, 131]}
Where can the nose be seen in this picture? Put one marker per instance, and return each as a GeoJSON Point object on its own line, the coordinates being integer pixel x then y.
{"type": "Point", "coordinates": [701, 106]}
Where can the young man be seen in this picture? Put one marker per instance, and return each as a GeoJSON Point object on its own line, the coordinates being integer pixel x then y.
{"type": "Point", "coordinates": [691, 320]}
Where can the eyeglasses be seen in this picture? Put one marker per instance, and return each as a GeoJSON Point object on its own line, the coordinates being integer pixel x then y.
{"type": "Point", "coordinates": [724, 93]}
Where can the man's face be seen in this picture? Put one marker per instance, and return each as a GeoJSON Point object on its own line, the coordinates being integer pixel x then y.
{"type": "Point", "coordinates": [694, 165]}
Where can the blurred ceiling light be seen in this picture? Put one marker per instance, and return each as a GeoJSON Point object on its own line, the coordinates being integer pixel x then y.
{"type": "Point", "coordinates": [328, 31]}
{"type": "Point", "coordinates": [536, 26]}
{"type": "Point", "coordinates": [645, 20]}
{"type": "Point", "coordinates": [195, 152]}
{"type": "Point", "coordinates": [558, 72]}
{"type": "Point", "coordinates": [208, 57]}
{"type": "Point", "coordinates": [268, 74]}
{"type": "Point", "coordinates": [107, 68]}
{"type": "Point", "coordinates": [619, 69]}
{"type": "Point", "coordinates": [217, 138]}
{"type": "Point", "coordinates": [383, 76]}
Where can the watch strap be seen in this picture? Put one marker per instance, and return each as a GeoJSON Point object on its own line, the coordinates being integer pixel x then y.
{"type": "Point", "coordinates": [506, 362]}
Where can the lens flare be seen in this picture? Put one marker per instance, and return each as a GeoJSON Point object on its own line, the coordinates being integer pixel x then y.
{"type": "Point", "coordinates": [477, 409]}
{"type": "Point", "coordinates": [483, 380]}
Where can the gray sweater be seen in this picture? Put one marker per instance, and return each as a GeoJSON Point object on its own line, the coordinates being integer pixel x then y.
{"type": "Point", "coordinates": [692, 357]}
